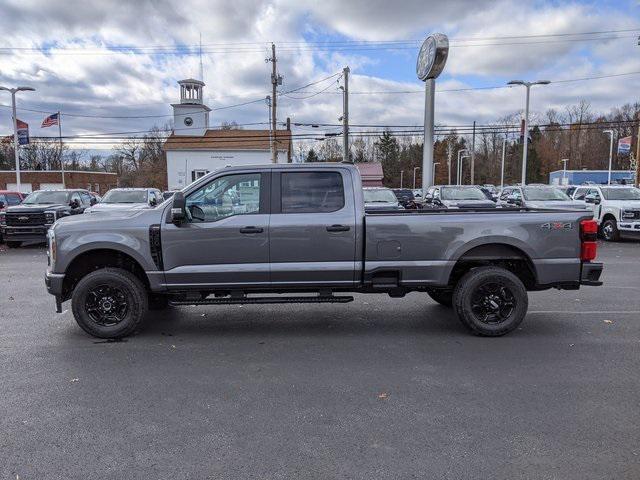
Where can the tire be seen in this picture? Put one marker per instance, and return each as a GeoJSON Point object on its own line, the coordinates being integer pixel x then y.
{"type": "Point", "coordinates": [443, 297]}
{"type": "Point", "coordinates": [110, 303]}
{"type": "Point", "coordinates": [610, 231]}
{"type": "Point", "coordinates": [490, 301]}
{"type": "Point", "coordinates": [158, 302]}
{"type": "Point", "coordinates": [13, 244]}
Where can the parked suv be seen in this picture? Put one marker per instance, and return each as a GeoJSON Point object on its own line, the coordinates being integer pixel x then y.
{"type": "Point", "coordinates": [128, 199]}
{"type": "Point", "coordinates": [616, 209]}
{"type": "Point", "coordinates": [30, 220]}
{"type": "Point", "coordinates": [8, 199]}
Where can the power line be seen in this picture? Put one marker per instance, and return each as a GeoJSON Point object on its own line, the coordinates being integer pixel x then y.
{"type": "Point", "coordinates": [298, 46]}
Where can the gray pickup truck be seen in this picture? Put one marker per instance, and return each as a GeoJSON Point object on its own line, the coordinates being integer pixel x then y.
{"type": "Point", "coordinates": [299, 233]}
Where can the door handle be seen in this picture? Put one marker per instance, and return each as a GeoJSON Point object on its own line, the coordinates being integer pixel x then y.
{"type": "Point", "coordinates": [338, 228]}
{"type": "Point", "coordinates": [251, 230]}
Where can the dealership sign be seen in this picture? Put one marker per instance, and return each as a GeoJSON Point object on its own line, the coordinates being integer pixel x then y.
{"type": "Point", "coordinates": [23, 132]}
{"type": "Point", "coordinates": [624, 145]}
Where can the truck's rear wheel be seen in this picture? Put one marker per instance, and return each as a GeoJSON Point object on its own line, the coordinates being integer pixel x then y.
{"type": "Point", "coordinates": [490, 301]}
{"type": "Point", "coordinates": [443, 297]}
{"type": "Point", "coordinates": [610, 231]}
{"type": "Point", "coordinates": [109, 303]}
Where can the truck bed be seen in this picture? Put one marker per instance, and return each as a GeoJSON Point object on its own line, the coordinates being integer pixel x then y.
{"type": "Point", "coordinates": [421, 247]}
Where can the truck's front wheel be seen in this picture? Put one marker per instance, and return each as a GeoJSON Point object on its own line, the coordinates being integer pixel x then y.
{"type": "Point", "coordinates": [109, 303]}
{"type": "Point", "coordinates": [490, 301]}
{"type": "Point", "coordinates": [610, 230]}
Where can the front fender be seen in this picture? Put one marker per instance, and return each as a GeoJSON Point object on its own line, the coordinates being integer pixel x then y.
{"type": "Point", "coordinates": [69, 248]}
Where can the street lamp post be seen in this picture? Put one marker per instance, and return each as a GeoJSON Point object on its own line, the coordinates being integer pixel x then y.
{"type": "Point", "coordinates": [459, 167]}
{"type": "Point", "coordinates": [528, 86]}
{"type": "Point", "coordinates": [414, 176]}
{"type": "Point", "coordinates": [16, 149]}
{"type": "Point", "coordinates": [564, 170]}
{"type": "Point", "coordinates": [434, 172]}
{"type": "Point", "coordinates": [610, 132]}
{"type": "Point", "coordinates": [504, 151]}
{"type": "Point", "coordinates": [401, 175]}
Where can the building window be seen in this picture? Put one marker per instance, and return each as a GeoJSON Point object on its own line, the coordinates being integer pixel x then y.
{"type": "Point", "coordinates": [196, 174]}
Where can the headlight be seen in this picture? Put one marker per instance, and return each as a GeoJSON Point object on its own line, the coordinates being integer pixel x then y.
{"type": "Point", "coordinates": [53, 247]}
{"type": "Point", "coordinates": [50, 217]}
{"type": "Point", "coordinates": [628, 214]}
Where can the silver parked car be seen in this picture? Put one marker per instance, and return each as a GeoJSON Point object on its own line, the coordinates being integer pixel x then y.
{"type": "Point", "coordinates": [380, 198]}
{"type": "Point", "coordinates": [457, 196]}
{"type": "Point", "coordinates": [128, 199]}
{"type": "Point", "coordinates": [538, 196]}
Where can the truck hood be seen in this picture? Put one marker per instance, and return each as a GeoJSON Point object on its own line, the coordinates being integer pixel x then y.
{"type": "Point", "coordinates": [35, 208]}
{"type": "Point", "coordinates": [104, 217]}
{"type": "Point", "coordinates": [468, 203]}
{"type": "Point", "coordinates": [634, 204]}
{"type": "Point", "coordinates": [109, 207]}
{"type": "Point", "coordinates": [383, 206]}
{"type": "Point", "coordinates": [555, 205]}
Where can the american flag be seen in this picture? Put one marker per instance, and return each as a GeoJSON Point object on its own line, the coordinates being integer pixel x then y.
{"type": "Point", "coordinates": [50, 121]}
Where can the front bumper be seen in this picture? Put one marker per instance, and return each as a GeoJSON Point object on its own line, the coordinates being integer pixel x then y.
{"type": "Point", "coordinates": [590, 274]}
{"type": "Point", "coordinates": [629, 227]}
{"type": "Point", "coordinates": [54, 282]}
{"type": "Point", "coordinates": [36, 233]}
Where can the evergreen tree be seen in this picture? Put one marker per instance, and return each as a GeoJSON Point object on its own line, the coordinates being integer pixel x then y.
{"type": "Point", "coordinates": [312, 156]}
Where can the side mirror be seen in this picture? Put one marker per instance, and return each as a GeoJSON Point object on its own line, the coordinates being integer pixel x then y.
{"type": "Point", "coordinates": [74, 204]}
{"type": "Point", "coordinates": [591, 198]}
{"type": "Point", "coordinates": [178, 208]}
{"type": "Point", "coordinates": [93, 201]}
{"type": "Point", "coordinates": [153, 202]}
{"type": "Point", "coordinates": [513, 200]}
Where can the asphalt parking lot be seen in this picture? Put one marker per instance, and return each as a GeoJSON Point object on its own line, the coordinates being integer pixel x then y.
{"type": "Point", "coordinates": [379, 388]}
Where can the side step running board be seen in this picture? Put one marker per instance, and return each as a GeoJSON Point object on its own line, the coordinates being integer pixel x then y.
{"type": "Point", "coordinates": [258, 300]}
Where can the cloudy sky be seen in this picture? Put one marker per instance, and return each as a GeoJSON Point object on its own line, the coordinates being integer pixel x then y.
{"type": "Point", "coordinates": [95, 60]}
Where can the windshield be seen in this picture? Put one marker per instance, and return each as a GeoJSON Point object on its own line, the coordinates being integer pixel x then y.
{"type": "Point", "coordinates": [630, 193]}
{"type": "Point", "coordinates": [47, 198]}
{"type": "Point", "coordinates": [379, 195]}
{"type": "Point", "coordinates": [544, 194]}
{"type": "Point", "coordinates": [125, 196]}
{"type": "Point", "coordinates": [454, 193]}
{"type": "Point", "coordinates": [403, 194]}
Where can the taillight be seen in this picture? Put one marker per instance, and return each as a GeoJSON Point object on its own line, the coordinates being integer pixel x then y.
{"type": "Point", "coordinates": [588, 238]}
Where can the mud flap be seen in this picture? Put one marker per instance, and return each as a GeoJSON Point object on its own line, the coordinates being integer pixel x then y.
{"type": "Point", "coordinates": [58, 304]}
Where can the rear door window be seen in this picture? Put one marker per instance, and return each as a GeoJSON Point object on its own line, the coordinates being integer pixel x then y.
{"type": "Point", "coordinates": [311, 192]}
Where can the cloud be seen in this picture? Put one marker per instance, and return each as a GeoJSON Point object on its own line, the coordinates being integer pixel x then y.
{"type": "Point", "coordinates": [236, 35]}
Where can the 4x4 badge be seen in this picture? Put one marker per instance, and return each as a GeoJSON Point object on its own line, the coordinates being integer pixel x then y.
{"type": "Point", "coordinates": [557, 226]}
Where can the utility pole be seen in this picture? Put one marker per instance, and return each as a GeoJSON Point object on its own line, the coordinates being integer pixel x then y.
{"type": "Point", "coordinates": [345, 116]}
{"type": "Point", "coordinates": [473, 153]}
{"type": "Point", "coordinates": [449, 153]}
{"type": "Point", "coordinates": [275, 81]}
{"type": "Point", "coordinates": [414, 176]}
{"type": "Point", "coordinates": [504, 152]}
{"type": "Point", "coordinates": [401, 175]}
{"type": "Point", "coordinates": [271, 143]}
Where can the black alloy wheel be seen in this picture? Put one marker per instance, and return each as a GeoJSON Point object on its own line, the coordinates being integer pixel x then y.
{"type": "Point", "coordinates": [106, 305]}
{"type": "Point", "coordinates": [493, 303]}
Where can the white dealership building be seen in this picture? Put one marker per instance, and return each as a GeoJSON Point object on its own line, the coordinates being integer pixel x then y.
{"type": "Point", "coordinates": [193, 149]}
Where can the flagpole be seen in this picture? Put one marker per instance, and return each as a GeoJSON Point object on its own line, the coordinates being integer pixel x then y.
{"type": "Point", "coordinates": [60, 156]}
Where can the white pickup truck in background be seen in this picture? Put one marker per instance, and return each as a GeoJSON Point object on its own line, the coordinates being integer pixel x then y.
{"type": "Point", "coordinates": [615, 208]}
